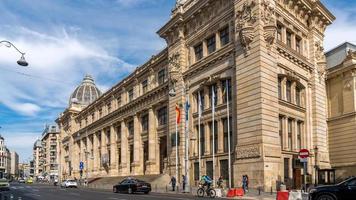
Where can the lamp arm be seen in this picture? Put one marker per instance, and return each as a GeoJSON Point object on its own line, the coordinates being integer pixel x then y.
{"type": "Point", "coordinates": [12, 45]}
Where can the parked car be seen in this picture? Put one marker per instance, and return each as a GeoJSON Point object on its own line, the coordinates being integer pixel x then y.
{"type": "Point", "coordinates": [21, 180]}
{"type": "Point", "coordinates": [4, 184]}
{"type": "Point", "coordinates": [69, 184]}
{"type": "Point", "coordinates": [29, 181]}
{"type": "Point", "coordinates": [131, 185]}
{"type": "Point", "coordinates": [345, 190]}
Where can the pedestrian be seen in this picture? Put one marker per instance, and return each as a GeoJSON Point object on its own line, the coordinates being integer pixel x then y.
{"type": "Point", "coordinates": [184, 182]}
{"type": "Point", "coordinates": [173, 183]}
{"type": "Point", "coordinates": [220, 182]}
{"type": "Point", "coordinates": [244, 182]}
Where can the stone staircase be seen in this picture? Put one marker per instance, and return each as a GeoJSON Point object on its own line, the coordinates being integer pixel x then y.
{"type": "Point", "coordinates": [156, 181]}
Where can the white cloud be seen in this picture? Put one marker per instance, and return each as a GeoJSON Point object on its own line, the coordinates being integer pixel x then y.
{"type": "Point", "coordinates": [57, 65]}
{"type": "Point", "coordinates": [342, 30]}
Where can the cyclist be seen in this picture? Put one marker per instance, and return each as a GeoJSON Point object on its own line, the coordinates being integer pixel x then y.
{"type": "Point", "coordinates": [206, 181]}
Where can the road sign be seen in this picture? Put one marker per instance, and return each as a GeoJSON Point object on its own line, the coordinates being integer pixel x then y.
{"type": "Point", "coordinates": [303, 153]}
{"type": "Point", "coordinates": [81, 165]}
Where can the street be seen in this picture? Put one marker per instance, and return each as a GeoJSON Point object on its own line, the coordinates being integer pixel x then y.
{"type": "Point", "coordinates": [48, 192]}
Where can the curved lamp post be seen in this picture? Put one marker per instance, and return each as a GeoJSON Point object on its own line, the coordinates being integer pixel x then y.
{"type": "Point", "coordinates": [22, 60]}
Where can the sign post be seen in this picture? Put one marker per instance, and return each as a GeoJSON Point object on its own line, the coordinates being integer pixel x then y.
{"type": "Point", "coordinates": [303, 157]}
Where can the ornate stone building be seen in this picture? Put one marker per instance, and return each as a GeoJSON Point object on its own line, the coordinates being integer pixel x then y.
{"type": "Point", "coordinates": [268, 53]}
{"type": "Point", "coordinates": [341, 87]}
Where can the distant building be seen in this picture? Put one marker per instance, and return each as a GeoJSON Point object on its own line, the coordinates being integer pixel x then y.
{"type": "Point", "coordinates": [14, 167]}
{"type": "Point", "coordinates": [50, 139]}
{"type": "Point", "coordinates": [37, 159]}
{"type": "Point", "coordinates": [341, 96]}
{"type": "Point", "coordinates": [4, 159]}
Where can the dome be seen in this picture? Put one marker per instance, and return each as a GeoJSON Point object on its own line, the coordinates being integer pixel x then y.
{"type": "Point", "coordinates": [85, 93]}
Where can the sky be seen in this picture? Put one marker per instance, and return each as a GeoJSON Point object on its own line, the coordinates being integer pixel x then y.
{"type": "Point", "coordinates": [66, 39]}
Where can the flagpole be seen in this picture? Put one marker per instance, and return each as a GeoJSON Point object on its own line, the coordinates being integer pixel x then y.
{"type": "Point", "coordinates": [199, 137]}
{"type": "Point", "coordinates": [228, 129]}
{"type": "Point", "coordinates": [177, 144]}
{"type": "Point", "coordinates": [213, 127]}
{"type": "Point", "coordinates": [187, 106]}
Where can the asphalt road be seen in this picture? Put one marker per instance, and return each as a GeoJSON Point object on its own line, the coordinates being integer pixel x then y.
{"type": "Point", "coordinates": [48, 192]}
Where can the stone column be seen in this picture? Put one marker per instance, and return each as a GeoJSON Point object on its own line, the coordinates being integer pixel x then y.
{"type": "Point", "coordinates": [153, 163]}
{"type": "Point", "coordinates": [88, 156]}
{"type": "Point", "coordinates": [124, 150]}
{"type": "Point", "coordinates": [293, 92]}
{"type": "Point", "coordinates": [96, 152]}
{"type": "Point", "coordinates": [217, 39]}
{"type": "Point", "coordinates": [137, 167]}
{"type": "Point", "coordinates": [219, 93]}
{"type": "Point", "coordinates": [103, 147]}
{"type": "Point", "coordinates": [220, 136]}
{"type": "Point", "coordinates": [113, 149]}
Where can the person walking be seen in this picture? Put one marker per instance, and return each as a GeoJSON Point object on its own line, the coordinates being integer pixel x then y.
{"type": "Point", "coordinates": [247, 181]}
{"type": "Point", "coordinates": [184, 182]}
{"type": "Point", "coordinates": [173, 183]}
{"type": "Point", "coordinates": [244, 182]}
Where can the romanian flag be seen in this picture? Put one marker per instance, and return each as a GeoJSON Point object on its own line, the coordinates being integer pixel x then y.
{"type": "Point", "coordinates": [177, 114]}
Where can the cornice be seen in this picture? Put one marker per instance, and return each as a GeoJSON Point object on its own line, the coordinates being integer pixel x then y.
{"type": "Point", "coordinates": [293, 56]}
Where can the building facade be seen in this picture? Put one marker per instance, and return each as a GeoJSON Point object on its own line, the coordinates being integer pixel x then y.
{"type": "Point", "coordinates": [268, 54]}
{"type": "Point", "coordinates": [341, 90]}
{"type": "Point", "coordinates": [50, 152]}
{"type": "Point", "coordinates": [14, 168]}
{"type": "Point", "coordinates": [38, 159]}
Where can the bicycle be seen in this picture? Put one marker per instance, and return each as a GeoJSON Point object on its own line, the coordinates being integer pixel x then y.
{"type": "Point", "coordinates": [210, 192]}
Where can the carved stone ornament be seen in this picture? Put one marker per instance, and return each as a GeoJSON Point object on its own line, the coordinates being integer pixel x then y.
{"type": "Point", "coordinates": [174, 68]}
{"type": "Point", "coordinates": [245, 20]}
{"type": "Point", "coordinates": [319, 52]}
{"type": "Point", "coordinates": [321, 69]}
{"type": "Point", "coordinates": [248, 152]}
{"type": "Point", "coordinates": [268, 18]}
{"type": "Point", "coordinates": [347, 85]}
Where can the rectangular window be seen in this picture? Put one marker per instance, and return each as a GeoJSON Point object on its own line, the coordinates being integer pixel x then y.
{"type": "Point", "coordinates": [297, 95]}
{"type": "Point", "coordinates": [209, 169]}
{"type": "Point", "coordinates": [290, 134]}
{"type": "Point", "coordinates": [289, 39]}
{"type": "Point", "coordinates": [198, 50]}
{"type": "Point", "coordinates": [288, 92]}
{"type": "Point", "coordinates": [215, 136]}
{"type": "Point", "coordinates": [286, 170]}
{"type": "Point", "coordinates": [130, 95]}
{"type": "Point", "coordinates": [299, 135]}
{"type": "Point", "coordinates": [118, 100]}
{"type": "Point", "coordinates": [196, 171]}
{"type": "Point", "coordinates": [298, 44]}
{"type": "Point", "coordinates": [211, 89]}
{"type": "Point", "coordinates": [162, 116]}
{"type": "Point", "coordinates": [280, 88]}
{"type": "Point", "coordinates": [174, 140]}
{"type": "Point", "coordinates": [108, 106]}
{"type": "Point", "coordinates": [144, 85]}
{"type": "Point", "coordinates": [226, 139]}
{"type": "Point", "coordinates": [211, 44]}
{"type": "Point", "coordinates": [144, 123]}
{"type": "Point", "coordinates": [281, 130]}
{"type": "Point", "coordinates": [224, 36]}
{"type": "Point", "coordinates": [226, 92]}
{"type": "Point", "coordinates": [162, 76]}
{"type": "Point", "coordinates": [202, 139]}
{"type": "Point", "coordinates": [108, 137]}
{"type": "Point", "coordinates": [279, 32]}
{"type": "Point", "coordinates": [130, 127]}
{"type": "Point", "coordinates": [224, 169]}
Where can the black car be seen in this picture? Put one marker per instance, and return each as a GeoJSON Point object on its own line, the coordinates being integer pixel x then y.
{"type": "Point", "coordinates": [345, 190]}
{"type": "Point", "coordinates": [131, 185]}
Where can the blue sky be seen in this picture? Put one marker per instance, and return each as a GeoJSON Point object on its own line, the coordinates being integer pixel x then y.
{"type": "Point", "coordinates": [66, 39]}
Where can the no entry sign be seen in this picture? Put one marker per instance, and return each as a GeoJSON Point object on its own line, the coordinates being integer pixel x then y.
{"type": "Point", "coordinates": [303, 153]}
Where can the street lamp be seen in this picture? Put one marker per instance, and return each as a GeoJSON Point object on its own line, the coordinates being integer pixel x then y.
{"type": "Point", "coordinates": [22, 61]}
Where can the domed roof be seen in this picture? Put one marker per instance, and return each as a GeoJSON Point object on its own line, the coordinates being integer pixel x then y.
{"type": "Point", "coordinates": [85, 93]}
